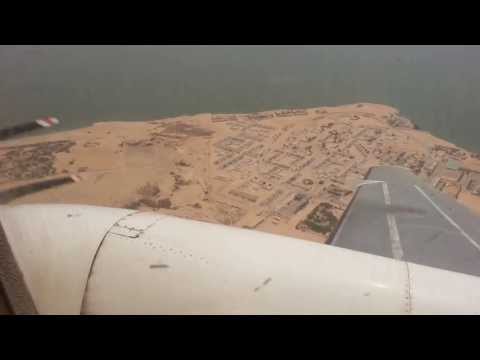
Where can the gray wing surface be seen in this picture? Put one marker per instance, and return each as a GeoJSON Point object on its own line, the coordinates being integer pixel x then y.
{"type": "Point", "coordinates": [12, 131]}
{"type": "Point", "coordinates": [397, 215]}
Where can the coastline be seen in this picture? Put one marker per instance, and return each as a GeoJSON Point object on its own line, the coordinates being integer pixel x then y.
{"type": "Point", "coordinates": [268, 171]}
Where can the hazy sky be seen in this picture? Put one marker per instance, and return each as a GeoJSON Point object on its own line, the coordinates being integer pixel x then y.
{"type": "Point", "coordinates": [437, 86]}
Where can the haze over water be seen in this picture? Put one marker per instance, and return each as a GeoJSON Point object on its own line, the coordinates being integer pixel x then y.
{"type": "Point", "coordinates": [438, 87]}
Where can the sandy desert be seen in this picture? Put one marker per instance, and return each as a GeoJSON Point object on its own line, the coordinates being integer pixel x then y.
{"type": "Point", "coordinates": [290, 172]}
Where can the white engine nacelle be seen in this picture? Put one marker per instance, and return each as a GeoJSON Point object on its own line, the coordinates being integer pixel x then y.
{"type": "Point", "coordinates": [78, 259]}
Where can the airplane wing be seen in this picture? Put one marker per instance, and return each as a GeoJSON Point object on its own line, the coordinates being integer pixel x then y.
{"type": "Point", "coordinates": [16, 190]}
{"type": "Point", "coordinates": [8, 132]}
{"type": "Point", "coordinates": [395, 214]}
{"type": "Point", "coordinates": [78, 259]}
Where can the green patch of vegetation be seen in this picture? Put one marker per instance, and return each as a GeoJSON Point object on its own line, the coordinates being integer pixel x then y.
{"type": "Point", "coordinates": [321, 219]}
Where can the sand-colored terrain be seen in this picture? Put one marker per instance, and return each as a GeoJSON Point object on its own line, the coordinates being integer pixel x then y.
{"type": "Point", "coordinates": [290, 172]}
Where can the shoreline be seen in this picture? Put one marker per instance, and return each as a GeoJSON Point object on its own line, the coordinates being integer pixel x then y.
{"type": "Point", "coordinates": [92, 124]}
{"type": "Point", "coordinates": [277, 171]}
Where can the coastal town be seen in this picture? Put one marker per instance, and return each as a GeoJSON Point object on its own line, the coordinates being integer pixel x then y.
{"type": "Point", "coordinates": [290, 172]}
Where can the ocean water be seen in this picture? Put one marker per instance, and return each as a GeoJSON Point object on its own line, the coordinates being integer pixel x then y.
{"type": "Point", "coordinates": [438, 87]}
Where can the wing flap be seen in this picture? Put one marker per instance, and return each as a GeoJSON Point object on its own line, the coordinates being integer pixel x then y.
{"type": "Point", "coordinates": [395, 214]}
